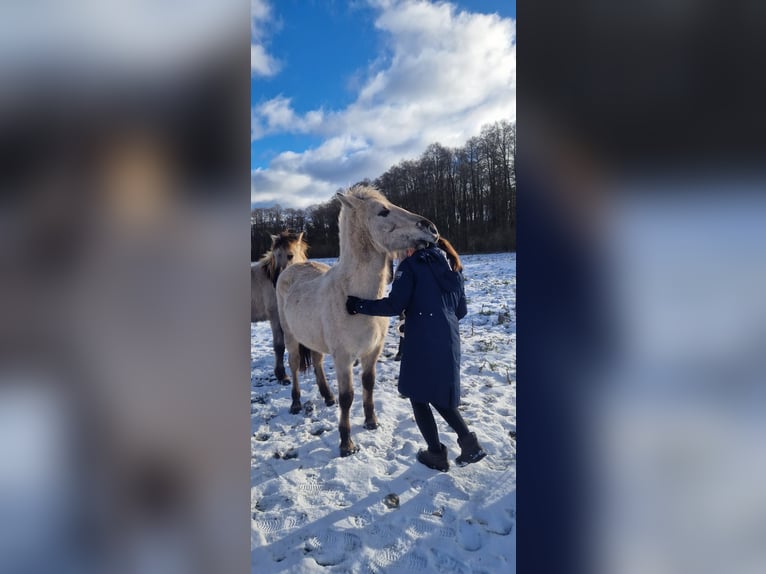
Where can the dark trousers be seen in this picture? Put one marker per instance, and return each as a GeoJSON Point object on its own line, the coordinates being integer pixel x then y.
{"type": "Point", "coordinates": [424, 418]}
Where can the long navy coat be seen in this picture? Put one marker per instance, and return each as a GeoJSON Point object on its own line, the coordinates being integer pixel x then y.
{"type": "Point", "coordinates": [432, 296]}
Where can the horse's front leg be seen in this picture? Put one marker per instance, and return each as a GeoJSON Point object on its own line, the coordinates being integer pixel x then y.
{"type": "Point", "coordinates": [279, 351]}
{"type": "Point", "coordinates": [346, 398]}
{"type": "Point", "coordinates": [368, 384]}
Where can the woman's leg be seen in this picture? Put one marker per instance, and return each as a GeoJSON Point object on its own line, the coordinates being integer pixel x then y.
{"type": "Point", "coordinates": [454, 419]}
{"type": "Point", "coordinates": [470, 449]}
{"type": "Point", "coordinates": [427, 425]}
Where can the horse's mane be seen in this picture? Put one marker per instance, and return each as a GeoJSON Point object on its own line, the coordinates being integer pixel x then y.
{"type": "Point", "coordinates": [269, 265]}
{"type": "Point", "coordinates": [365, 192]}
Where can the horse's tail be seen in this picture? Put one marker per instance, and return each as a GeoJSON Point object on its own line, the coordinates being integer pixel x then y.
{"type": "Point", "coordinates": [305, 355]}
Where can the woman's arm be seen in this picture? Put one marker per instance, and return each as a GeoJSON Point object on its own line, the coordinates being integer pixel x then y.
{"type": "Point", "coordinates": [394, 304]}
{"type": "Point", "coordinates": [462, 308]}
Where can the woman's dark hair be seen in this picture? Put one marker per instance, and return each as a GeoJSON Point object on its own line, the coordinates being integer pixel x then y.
{"type": "Point", "coordinates": [454, 258]}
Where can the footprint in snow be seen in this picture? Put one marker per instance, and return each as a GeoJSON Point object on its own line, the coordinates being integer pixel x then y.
{"type": "Point", "coordinates": [446, 532]}
{"type": "Point", "coordinates": [445, 484]}
{"type": "Point", "coordinates": [278, 523]}
{"type": "Point", "coordinates": [389, 555]}
{"type": "Point", "coordinates": [419, 528]}
{"type": "Point", "coordinates": [384, 533]}
{"type": "Point", "coordinates": [446, 564]}
{"type": "Point", "coordinates": [310, 486]}
{"type": "Point", "coordinates": [397, 561]}
{"type": "Point", "coordinates": [432, 510]}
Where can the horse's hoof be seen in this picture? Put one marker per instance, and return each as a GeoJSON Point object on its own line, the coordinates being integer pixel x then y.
{"type": "Point", "coordinates": [329, 402]}
{"type": "Point", "coordinates": [285, 382]}
{"type": "Point", "coordinates": [295, 408]}
{"type": "Point", "coordinates": [371, 425]}
{"type": "Point", "coordinates": [344, 452]}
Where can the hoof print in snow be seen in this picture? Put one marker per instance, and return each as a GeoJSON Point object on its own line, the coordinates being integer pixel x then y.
{"type": "Point", "coordinates": [292, 453]}
{"type": "Point", "coordinates": [512, 434]}
{"type": "Point", "coordinates": [318, 430]}
{"type": "Point", "coordinates": [331, 547]}
{"type": "Point", "coordinates": [469, 536]}
{"type": "Point", "coordinates": [262, 436]}
{"type": "Point", "coordinates": [497, 524]}
{"type": "Point", "coordinates": [308, 407]}
{"type": "Point", "coordinates": [391, 500]}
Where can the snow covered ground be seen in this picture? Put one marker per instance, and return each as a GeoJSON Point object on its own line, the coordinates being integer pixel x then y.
{"type": "Point", "coordinates": [313, 511]}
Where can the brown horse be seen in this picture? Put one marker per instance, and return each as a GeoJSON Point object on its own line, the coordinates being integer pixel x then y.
{"type": "Point", "coordinates": [286, 248]}
{"type": "Point", "coordinates": [312, 300]}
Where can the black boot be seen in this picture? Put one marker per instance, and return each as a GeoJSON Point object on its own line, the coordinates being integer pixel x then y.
{"type": "Point", "coordinates": [435, 460]}
{"type": "Point", "coordinates": [470, 450]}
{"type": "Point", "coordinates": [398, 356]}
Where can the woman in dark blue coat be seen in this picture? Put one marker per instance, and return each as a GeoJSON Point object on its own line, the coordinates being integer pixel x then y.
{"type": "Point", "coordinates": [431, 294]}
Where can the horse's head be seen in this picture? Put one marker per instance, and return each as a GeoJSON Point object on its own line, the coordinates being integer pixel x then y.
{"type": "Point", "coordinates": [287, 248]}
{"type": "Point", "coordinates": [389, 227]}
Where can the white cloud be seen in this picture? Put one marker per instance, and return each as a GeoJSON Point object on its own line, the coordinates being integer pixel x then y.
{"type": "Point", "coordinates": [276, 115]}
{"type": "Point", "coordinates": [287, 188]}
{"type": "Point", "coordinates": [446, 74]}
{"type": "Point", "coordinates": [261, 62]}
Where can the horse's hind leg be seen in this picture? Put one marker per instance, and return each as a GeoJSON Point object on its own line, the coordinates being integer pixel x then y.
{"type": "Point", "coordinates": [368, 384]}
{"type": "Point", "coordinates": [346, 397]}
{"type": "Point", "coordinates": [279, 352]}
{"type": "Point", "coordinates": [294, 359]}
{"type": "Point", "coordinates": [324, 389]}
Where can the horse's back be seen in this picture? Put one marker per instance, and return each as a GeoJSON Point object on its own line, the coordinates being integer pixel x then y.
{"type": "Point", "coordinates": [300, 273]}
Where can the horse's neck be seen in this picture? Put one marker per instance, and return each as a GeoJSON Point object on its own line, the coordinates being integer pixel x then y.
{"type": "Point", "coordinates": [364, 271]}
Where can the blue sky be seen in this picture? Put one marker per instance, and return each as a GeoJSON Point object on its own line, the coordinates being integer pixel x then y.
{"type": "Point", "coordinates": [341, 90]}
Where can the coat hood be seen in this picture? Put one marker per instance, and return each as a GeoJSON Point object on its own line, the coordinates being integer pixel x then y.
{"type": "Point", "coordinates": [447, 279]}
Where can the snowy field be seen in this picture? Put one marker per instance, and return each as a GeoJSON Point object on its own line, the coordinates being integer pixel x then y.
{"type": "Point", "coordinates": [313, 511]}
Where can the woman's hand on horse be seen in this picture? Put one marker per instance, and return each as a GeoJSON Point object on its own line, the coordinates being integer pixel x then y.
{"type": "Point", "coordinates": [351, 304]}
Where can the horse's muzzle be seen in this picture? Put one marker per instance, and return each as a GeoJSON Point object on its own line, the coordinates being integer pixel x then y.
{"type": "Point", "coordinates": [428, 226]}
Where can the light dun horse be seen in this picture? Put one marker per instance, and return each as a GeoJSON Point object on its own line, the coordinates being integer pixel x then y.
{"type": "Point", "coordinates": [286, 248]}
{"type": "Point", "coordinates": [312, 300]}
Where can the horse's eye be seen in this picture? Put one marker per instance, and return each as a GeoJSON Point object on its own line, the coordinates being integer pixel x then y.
{"type": "Point", "coordinates": [290, 256]}
{"type": "Point", "coordinates": [384, 212]}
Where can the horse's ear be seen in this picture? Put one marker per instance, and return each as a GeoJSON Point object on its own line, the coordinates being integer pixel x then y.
{"type": "Point", "coordinates": [345, 200]}
{"type": "Point", "coordinates": [300, 237]}
{"type": "Point", "coordinates": [273, 237]}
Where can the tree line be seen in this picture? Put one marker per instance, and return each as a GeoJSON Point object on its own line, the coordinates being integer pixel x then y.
{"type": "Point", "coordinates": [468, 192]}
